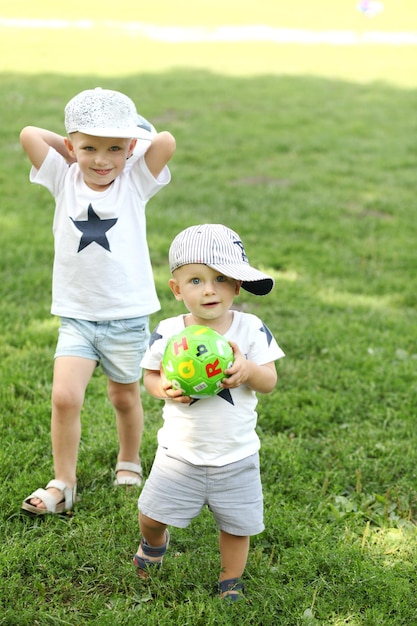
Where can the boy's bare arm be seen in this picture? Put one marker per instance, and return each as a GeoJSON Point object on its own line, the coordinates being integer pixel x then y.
{"type": "Point", "coordinates": [159, 152]}
{"type": "Point", "coordinates": [37, 141]}
{"type": "Point", "coordinates": [153, 383]}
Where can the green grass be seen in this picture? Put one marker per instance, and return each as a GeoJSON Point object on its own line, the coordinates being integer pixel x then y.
{"type": "Point", "coordinates": [318, 177]}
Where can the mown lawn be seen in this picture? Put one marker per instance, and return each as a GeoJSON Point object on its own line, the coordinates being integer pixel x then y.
{"type": "Point", "coordinates": [317, 174]}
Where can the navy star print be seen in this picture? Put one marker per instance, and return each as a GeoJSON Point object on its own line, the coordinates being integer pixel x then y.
{"type": "Point", "coordinates": [264, 329]}
{"type": "Point", "coordinates": [224, 393]}
{"type": "Point", "coordinates": [155, 336]}
{"type": "Point", "coordinates": [94, 230]}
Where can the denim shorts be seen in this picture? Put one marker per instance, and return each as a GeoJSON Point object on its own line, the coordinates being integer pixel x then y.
{"type": "Point", "coordinates": [118, 345]}
{"type": "Point", "coordinates": [176, 492]}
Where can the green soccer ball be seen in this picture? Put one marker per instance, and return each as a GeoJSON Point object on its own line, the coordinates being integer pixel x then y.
{"type": "Point", "coordinates": [195, 360]}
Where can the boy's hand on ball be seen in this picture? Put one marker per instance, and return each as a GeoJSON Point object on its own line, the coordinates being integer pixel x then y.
{"type": "Point", "coordinates": [176, 396]}
{"type": "Point", "coordinates": [238, 373]}
{"type": "Point", "coordinates": [170, 393]}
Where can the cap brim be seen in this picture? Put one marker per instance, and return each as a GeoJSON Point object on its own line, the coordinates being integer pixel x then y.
{"type": "Point", "coordinates": [118, 133]}
{"type": "Point", "coordinates": [258, 287]}
{"type": "Point", "coordinates": [253, 280]}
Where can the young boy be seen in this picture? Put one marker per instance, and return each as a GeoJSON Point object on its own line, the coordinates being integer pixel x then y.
{"type": "Point", "coordinates": [208, 448]}
{"type": "Point", "coordinates": [103, 288]}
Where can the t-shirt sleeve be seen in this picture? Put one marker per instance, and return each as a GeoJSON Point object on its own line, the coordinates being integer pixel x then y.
{"type": "Point", "coordinates": [158, 341]}
{"type": "Point", "coordinates": [153, 356]}
{"type": "Point", "coordinates": [52, 172]}
{"type": "Point", "coordinates": [146, 184]}
{"type": "Point", "coordinates": [263, 347]}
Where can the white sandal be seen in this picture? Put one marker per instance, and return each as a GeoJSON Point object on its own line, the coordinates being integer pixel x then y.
{"type": "Point", "coordinates": [69, 498]}
{"type": "Point", "coordinates": [128, 480]}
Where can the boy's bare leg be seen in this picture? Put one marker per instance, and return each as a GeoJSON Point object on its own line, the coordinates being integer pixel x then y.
{"type": "Point", "coordinates": [234, 554]}
{"type": "Point", "coordinates": [127, 404]}
{"type": "Point", "coordinates": [153, 532]}
{"type": "Point", "coordinates": [71, 377]}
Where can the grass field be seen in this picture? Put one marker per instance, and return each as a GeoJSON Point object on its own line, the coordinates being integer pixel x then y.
{"type": "Point", "coordinates": [311, 156]}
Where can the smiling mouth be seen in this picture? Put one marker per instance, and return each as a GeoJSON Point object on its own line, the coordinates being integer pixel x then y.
{"type": "Point", "coordinates": [102, 172]}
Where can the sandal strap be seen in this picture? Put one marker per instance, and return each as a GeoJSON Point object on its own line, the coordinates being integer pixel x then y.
{"type": "Point", "coordinates": [129, 467]}
{"type": "Point", "coordinates": [45, 497]}
{"type": "Point", "coordinates": [151, 550]}
{"type": "Point", "coordinates": [231, 584]}
{"type": "Point", "coordinates": [70, 493]}
{"type": "Point", "coordinates": [233, 589]}
{"type": "Point", "coordinates": [128, 480]}
{"type": "Point", "coordinates": [143, 563]}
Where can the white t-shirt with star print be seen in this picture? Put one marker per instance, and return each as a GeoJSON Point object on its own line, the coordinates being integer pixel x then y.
{"type": "Point", "coordinates": [218, 430]}
{"type": "Point", "coordinates": [102, 269]}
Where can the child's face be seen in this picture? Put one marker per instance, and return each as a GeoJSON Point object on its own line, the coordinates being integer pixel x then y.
{"type": "Point", "coordinates": [101, 159]}
{"type": "Point", "coordinates": [206, 293]}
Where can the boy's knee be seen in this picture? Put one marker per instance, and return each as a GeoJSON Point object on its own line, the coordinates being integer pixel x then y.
{"type": "Point", "coordinates": [65, 398]}
{"type": "Point", "coordinates": [124, 397]}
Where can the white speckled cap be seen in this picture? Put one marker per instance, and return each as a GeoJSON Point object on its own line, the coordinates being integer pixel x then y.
{"type": "Point", "coordinates": [102, 113]}
{"type": "Point", "coordinates": [221, 249]}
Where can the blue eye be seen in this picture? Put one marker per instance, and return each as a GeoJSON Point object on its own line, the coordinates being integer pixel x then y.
{"type": "Point", "coordinates": [195, 281]}
{"type": "Point", "coordinates": [221, 279]}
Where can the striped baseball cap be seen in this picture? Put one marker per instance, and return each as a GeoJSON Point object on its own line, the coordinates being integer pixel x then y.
{"type": "Point", "coordinates": [221, 249]}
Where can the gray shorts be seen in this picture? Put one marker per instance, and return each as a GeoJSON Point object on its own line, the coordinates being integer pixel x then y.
{"type": "Point", "coordinates": [176, 492]}
{"type": "Point", "coordinates": [117, 345]}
